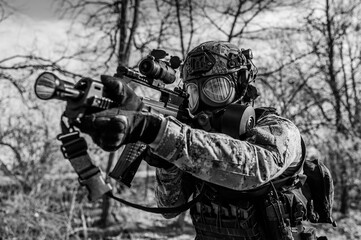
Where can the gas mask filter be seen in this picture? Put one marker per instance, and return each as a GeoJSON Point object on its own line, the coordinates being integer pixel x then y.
{"type": "Point", "coordinates": [234, 120]}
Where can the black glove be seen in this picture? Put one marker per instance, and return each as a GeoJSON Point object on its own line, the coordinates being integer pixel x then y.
{"type": "Point", "coordinates": [114, 127]}
{"type": "Point", "coordinates": [119, 91]}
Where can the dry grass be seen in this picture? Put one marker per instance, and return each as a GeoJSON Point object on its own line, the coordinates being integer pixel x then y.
{"type": "Point", "coordinates": [58, 209]}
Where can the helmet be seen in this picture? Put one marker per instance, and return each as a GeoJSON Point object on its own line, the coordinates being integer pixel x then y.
{"type": "Point", "coordinates": [215, 74]}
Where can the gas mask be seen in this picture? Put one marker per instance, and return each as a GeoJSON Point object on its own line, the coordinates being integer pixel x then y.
{"type": "Point", "coordinates": [210, 93]}
{"type": "Point", "coordinates": [216, 76]}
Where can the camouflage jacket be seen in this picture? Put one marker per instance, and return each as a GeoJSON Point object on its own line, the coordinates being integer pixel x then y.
{"type": "Point", "coordinates": [271, 147]}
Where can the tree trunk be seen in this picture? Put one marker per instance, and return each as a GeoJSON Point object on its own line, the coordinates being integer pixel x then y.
{"type": "Point", "coordinates": [344, 207]}
{"type": "Point", "coordinates": [331, 68]}
{"type": "Point", "coordinates": [124, 43]}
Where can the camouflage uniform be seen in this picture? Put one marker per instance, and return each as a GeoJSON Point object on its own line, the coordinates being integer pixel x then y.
{"type": "Point", "coordinates": [249, 185]}
{"type": "Point", "coordinates": [270, 148]}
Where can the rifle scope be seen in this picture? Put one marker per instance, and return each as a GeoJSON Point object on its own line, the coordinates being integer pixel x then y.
{"type": "Point", "coordinates": [49, 86]}
{"type": "Point", "coordinates": [157, 70]}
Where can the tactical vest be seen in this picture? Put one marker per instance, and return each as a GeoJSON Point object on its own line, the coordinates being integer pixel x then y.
{"type": "Point", "coordinates": [219, 219]}
{"type": "Point", "coordinates": [268, 212]}
{"type": "Point", "coordinates": [272, 211]}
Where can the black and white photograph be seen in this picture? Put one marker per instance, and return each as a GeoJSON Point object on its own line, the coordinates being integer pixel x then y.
{"type": "Point", "coordinates": [180, 119]}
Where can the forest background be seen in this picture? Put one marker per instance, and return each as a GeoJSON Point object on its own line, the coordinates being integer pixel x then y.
{"type": "Point", "coordinates": [308, 55]}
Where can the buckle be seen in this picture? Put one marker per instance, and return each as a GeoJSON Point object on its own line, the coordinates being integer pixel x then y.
{"type": "Point", "coordinates": [68, 136]}
{"type": "Point", "coordinates": [72, 144]}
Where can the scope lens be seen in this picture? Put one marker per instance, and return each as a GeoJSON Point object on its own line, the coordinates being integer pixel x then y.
{"type": "Point", "coordinates": [45, 86]}
{"type": "Point", "coordinates": [157, 70]}
{"type": "Point", "coordinates": [145, 67]}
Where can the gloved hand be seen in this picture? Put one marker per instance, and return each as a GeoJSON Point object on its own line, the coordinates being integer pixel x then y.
{"type": "Point", "coordinates": [114, 127]}
{"type": "Point", "coordinates": [119, 91]}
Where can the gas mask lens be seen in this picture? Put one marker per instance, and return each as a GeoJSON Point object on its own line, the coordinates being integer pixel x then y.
{"type": "Point", "coordinates": [192, 90]}
{"type": "Point", "coordinates": [217, 89]}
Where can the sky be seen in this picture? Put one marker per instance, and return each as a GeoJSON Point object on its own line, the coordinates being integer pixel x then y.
{"type": "Point", "coordinates": [34, 26]}
{"type": "Point", "coordinates": [37, 9]}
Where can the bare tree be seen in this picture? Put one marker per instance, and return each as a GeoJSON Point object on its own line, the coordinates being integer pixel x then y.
{"type": "Point", "coordinates": [110, 25]}
{"type": "Point", "coordinates": [241, 19]}
{"type": "Point", "coordinates": [185, 17]}
{"type": "Point", "coordinates": [115, 24]}
{"type": "Point", "coordinates": [5, 10]}
{"type": "Point", "coordinates": [336, 64]}
{"type": "Point", "coordinates": [26, 130]}
{"type": "Point", "coordinates": [312, 79]}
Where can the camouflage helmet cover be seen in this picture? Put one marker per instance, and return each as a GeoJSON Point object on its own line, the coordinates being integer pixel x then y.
{"type": "Point", "coordinates": [213, 58]}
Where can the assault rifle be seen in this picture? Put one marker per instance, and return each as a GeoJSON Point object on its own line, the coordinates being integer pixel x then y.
{"type": "Point", "coordinates": [89, 96]}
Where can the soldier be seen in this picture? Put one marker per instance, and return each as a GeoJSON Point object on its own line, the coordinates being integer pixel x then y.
{"type": "Point", "coordinates": [240, 175]}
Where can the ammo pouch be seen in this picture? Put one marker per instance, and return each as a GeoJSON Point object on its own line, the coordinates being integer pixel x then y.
{"type": "Point", "coordinates": [276, 215]}
{"type": "Point", "coordinates": [282, 214]}
{"type": "Point", "coordinates": [319, 191]}
{"type": "Point", "coordinates": [213, 221]}
{"type": "Point", "coordinates": [273, 211]}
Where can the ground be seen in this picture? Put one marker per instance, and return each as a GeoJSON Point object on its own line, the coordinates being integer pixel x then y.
{"type": "Point", "coordinates": [60, 210]}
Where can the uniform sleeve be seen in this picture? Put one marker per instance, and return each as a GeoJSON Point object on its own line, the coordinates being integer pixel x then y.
{"type": "Point", "coordinates": [171, 189]}
{"type": "Point", "coordinates": [268, 150]}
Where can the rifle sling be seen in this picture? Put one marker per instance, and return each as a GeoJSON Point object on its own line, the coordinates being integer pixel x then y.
{"type": "Point", "coordinates": [74, 148]}
{"type": "Point", "coordinates": [161, 210]}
